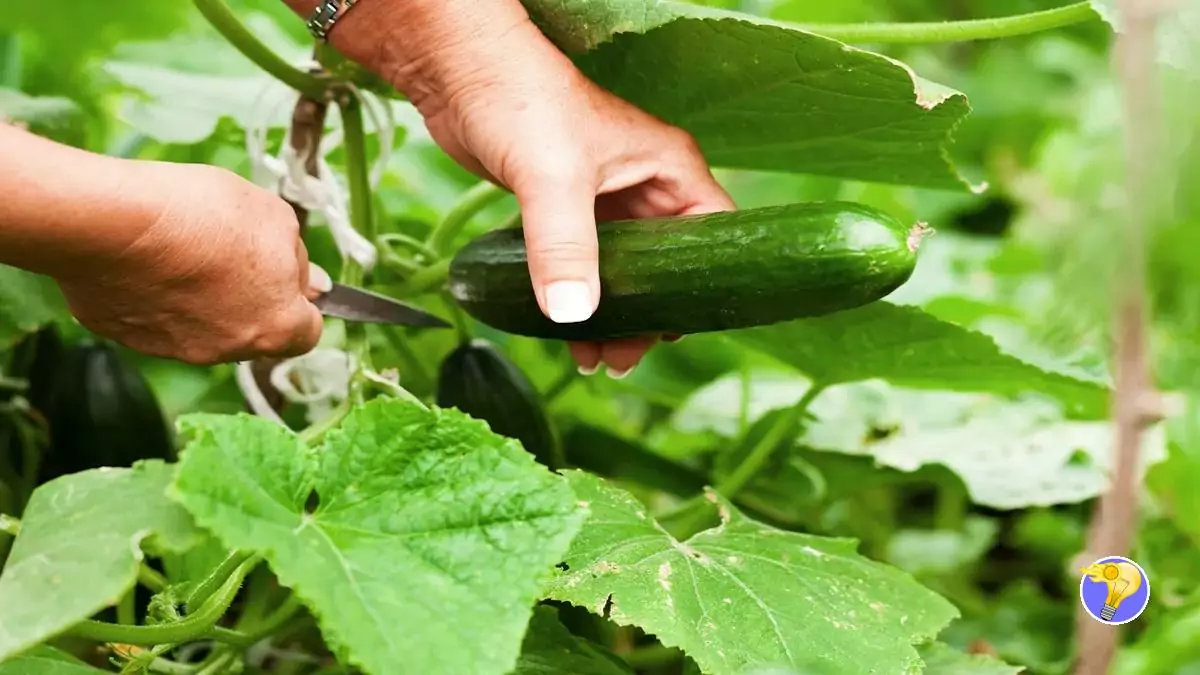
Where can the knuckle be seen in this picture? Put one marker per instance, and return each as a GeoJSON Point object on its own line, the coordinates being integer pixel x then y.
{"type": "Point", "coordinates": [565, 251]}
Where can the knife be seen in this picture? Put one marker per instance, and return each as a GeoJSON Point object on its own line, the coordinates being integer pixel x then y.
{"type": "Point", "coordinates": [363, 306]}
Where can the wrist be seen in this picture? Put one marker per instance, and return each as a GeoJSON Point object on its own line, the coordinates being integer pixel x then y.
{"type": "Point", "coordinates": [427, 48]}
{"type": "Point", "coordinates": [67, 207]}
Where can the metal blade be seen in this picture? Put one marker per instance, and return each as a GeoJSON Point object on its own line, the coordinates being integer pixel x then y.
{"type": "Point", "coordinates": [356, 304]}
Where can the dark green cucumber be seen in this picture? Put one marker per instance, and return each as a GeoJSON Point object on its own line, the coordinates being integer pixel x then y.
{"type": "Point", "coordinates": [102, 413]}
{"type": "Point", "coordinates": [481, 382]}
{"type": "Point", "coordinates": [697, 274]}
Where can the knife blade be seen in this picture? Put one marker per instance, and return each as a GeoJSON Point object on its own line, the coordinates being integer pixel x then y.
{"type": "Point", "coordinates": [363, 306]}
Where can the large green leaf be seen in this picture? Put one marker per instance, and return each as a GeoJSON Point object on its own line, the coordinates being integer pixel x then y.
{"type": "Point", "coordinates": [759, 95]}
{"type": "Point", "coordinates": [43, 660]}
{"type": "Point", "coordinates": [744, 595]}
{"type": "Point", "coordinates": [429, 540]}
{"type": "Point", "coordinates": [27, 302]}
{"type": "Point", "coordinates": [551, 649]}
{"type": "Point", "coordinates": [80, 546]}
{"type": "Point", "coordinates": [908, 347]}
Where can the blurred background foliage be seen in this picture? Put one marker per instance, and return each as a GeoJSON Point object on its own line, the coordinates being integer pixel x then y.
{"type": "Point", "coordinates": [1030, 262]}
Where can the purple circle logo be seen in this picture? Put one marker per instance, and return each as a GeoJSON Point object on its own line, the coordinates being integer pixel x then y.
{"type": "Point", "coordinates": [1114, 590]}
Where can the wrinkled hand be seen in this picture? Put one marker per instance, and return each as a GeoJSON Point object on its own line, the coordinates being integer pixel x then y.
{"type": "Point", "coordinates": [220, 274]}
{"type": "Point", "coordinates": [522, 115]}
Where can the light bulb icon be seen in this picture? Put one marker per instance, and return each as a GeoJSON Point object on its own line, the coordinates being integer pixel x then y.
{"type": "Point", "coordinates": [1123, 580]}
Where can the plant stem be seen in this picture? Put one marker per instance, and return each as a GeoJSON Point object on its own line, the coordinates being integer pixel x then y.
{"type": "Point", "coordinates": [785, 427]}
{"type": "Point", "coordinates": [412, 364]}
{"type": "Point", "coordinates": [357, 174]}
{"type": "Point", "coordinates": [1115, 518]}
{"type": "Point", "coordinates": [956, 31]}
{"type": "Point", "coordinates": [479, 197]}
{"type": "Point", "coordinates": [9, 525]}
{"type": "Point", "coordinates": [151, 579]}
{"type": "Point", "coordinates": [427, 279]}
{"type": "Point", "coordinates": [359, 180]}
{"type": "Point", "coordinates": [126, 611]}
{"type": "Point", "coordinates": [223, 19]}
{"type": "Point", "coordinates": [216, 579]}
{"type": "Point", "coordinates": [561, 383]}
{"type": "Point", "coordinates": [201, 624]}
{"type": "Point", "coordinates": [276, 619]}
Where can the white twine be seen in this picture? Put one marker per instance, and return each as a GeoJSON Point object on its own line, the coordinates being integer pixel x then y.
{"type": "Point", "coordinates": [323, 374]}
{"type": "Point", "coordinates": [324, 192]}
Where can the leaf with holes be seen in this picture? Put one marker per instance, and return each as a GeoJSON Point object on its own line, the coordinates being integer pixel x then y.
{"type": "Point", "coordinates": [80, 546]}
{"type": "Point", "coordinates": [429, 541]}
{"type": "Point", "coordinates": [744, 595]}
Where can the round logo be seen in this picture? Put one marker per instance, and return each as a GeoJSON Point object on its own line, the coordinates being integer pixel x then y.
{"type": "Point", "coordinates": [1114, 590]}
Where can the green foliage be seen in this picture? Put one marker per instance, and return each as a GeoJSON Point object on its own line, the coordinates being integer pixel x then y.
{"type": "Point", "coordinates": [467, 520]}
{"type": "Point", "coordinates": [744, 595]}
{"type": "Point", "coordinates": [43, 660]}
{"type": "Point", "coordinates": [81, 541]}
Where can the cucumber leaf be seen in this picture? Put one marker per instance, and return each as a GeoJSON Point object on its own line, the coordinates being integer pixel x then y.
{"type": "Point", "coordinates": [429, 540]}
{"type": "Point", "coordinates": [27, 302]}
{"type": "Point", "coordinates": [80, 545]}
{"type": "Point", "coordinates": [550, 649]}
{"type": "Point", "coordinates": [744, 595]}
{"type": "Point", "coordinates": [794, 101]}
{"type": "Point", "coordinates": [43, 660]}
{"type": "Point", "coordinates": [908, 347]}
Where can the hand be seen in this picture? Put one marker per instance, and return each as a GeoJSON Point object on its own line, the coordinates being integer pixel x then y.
{"type": "Point", "coordinates": [218, 274]}
{"type": "Point", "coordinates": [522, 115]}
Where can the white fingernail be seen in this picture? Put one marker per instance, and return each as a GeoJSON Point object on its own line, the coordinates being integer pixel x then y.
{"type": "Point", "coordinates": [588, 371]}
{"type": "Point", "coordinates": [319, 279]}
{"type": "Point", "coordinates": [620, 374]}
{"type": "Point", "coordinates": [568, 301]}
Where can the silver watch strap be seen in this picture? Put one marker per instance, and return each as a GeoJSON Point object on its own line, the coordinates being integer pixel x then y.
{"type": "Point", "coordinates": [326, 15]}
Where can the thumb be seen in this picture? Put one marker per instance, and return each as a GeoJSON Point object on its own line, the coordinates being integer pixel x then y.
{"type": "Point", "coordinates": [559, 221]}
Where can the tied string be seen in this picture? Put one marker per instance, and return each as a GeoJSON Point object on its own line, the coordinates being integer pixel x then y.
{"type": "Point", "coordinates": [321, 379]}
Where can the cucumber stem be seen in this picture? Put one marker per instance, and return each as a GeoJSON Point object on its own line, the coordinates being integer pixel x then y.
{"type": "Point", "coordinates": [956, 31]}
{"type": "Point", "coordinates": [479, 197]}
{"type": "Point", "coordinates": [223, 19]}
{"type": "Point", "coordinates": [202, 624]}
{"type": "Point", "coordinates": [9, 525]}
{"type": "Point", "coordinates": [359, 181]}
{"type": "Point", "coordinates": [787, 425]}
{"type": "Point", "coordinates": [216, 579]}
{"type": "Point", "coordinates": [918, 233]}
{"type": "Point", "coordinates": [427, 279]}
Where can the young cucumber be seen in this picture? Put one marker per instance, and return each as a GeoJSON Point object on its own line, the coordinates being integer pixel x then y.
{"type": "Point", "coordinates": [696, 274]}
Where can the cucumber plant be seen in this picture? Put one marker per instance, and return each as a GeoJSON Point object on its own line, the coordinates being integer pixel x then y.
{"type": "Point", "coordinates": [753, 499]}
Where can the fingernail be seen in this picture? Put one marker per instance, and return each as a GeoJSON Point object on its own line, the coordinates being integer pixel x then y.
{"type": "Point", "coordinates": [319, 279]}
{"type": "Point", "coordinates": [619, 374]}
{"type": "Point", "coordinates": [568, 301]}
{"type": "Point", "coordinates": [585, 370]}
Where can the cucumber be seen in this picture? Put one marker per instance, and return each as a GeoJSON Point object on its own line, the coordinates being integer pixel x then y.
{"type": "Point", "coordinates": [698, 274]}
{"type": "Point", "coordinates": [102, 413]}
{"type": "Point", "coordinates": [480, 381]}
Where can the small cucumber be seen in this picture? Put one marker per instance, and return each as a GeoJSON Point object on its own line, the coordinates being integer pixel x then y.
{"type": "Point", "coordinates": [705, 273]}
{"type": "Point", "coordinates": [480, 381]}
{"type": "Point", "coordinates": [102, 412]}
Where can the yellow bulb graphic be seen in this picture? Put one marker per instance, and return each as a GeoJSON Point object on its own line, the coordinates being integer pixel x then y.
{"type": "Point", "coordinates": [1123, 580]}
